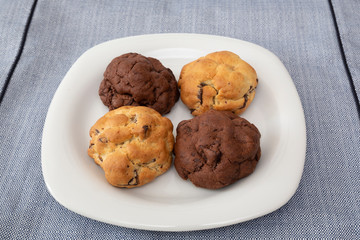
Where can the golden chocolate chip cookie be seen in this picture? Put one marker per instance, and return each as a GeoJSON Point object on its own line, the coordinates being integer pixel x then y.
{"type": "Point", "coordinates": [220, 81]}
{"type": "Point", "coordinates": [132, 144]}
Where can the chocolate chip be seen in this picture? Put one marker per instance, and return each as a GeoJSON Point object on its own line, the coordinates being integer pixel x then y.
{"type": "Point", "coordinates": [103, 140]}
{"type": "Point", "coordinates": [245, 101]}
{"type": "Point", "coordinates": [146, 128]}
{"type": "Point", "coordinates": [200, 94]}
{"type": "Point", "coordinates": [251, 89]}
{"type": "Point", "coordinates": [133, 119]}
{"type": "Point", "coordinates": [134, 180]}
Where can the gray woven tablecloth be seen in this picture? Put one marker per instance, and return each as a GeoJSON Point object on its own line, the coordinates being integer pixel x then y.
{"type": "Point", "coordinates": [317, 40]}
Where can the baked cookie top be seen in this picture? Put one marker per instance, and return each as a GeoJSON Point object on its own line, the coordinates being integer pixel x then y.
{"type": "Point", "coordinates": [133, 145]}
{"type": "Point", "coordinates": [215, 149]}
{"type": "Point", "coordinates": [220, 81]}
{"type": "Point", "coordinates": [135, 80]}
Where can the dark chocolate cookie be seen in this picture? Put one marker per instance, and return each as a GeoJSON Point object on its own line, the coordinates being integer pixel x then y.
{"type": "Point", "coordinates": [216, 149]}
{"type": "Point", "coordinates": [132, 79]}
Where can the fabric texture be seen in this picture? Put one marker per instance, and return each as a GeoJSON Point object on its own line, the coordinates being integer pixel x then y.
{"type": "Point", "coordinates": [301, 33]}
{"type": "Point", "coordinates": [13, 18]}
{"type": "Point", "coordinates": [348, 19]}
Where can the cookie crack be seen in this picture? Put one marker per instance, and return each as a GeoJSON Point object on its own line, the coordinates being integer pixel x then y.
{"type": "Point", "coordinates": [198, 167]}
{"type": "Point", "coordinates": [118, 146]}
{"type": "Point", "coordinates": [246, 96]}
{"type": "Point", "coordinates": [200, 92]}
{"type": "Point", "coordinates": [110, 93]}
{"type": "Point", "coordinates": [146, 164]}
{"type": "Point", "coordinates": [132, 67]}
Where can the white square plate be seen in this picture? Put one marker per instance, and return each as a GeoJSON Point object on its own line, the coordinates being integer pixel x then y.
{"type": "Point", "coordinates": [170, 203]}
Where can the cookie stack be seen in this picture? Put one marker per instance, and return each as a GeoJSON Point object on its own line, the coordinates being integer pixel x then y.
{"type": "Point", "coordinates": [133, 142]}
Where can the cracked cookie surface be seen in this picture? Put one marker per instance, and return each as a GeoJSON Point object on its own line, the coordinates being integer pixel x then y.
{"type": "Point", "coordinates": [132, 144]}
{"type": "Point", "coordinates": [216, 149]}
{"type": "Point", "coordinates": [220, 81]}
{"type": "Point", "coordinates": [135, 80]}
